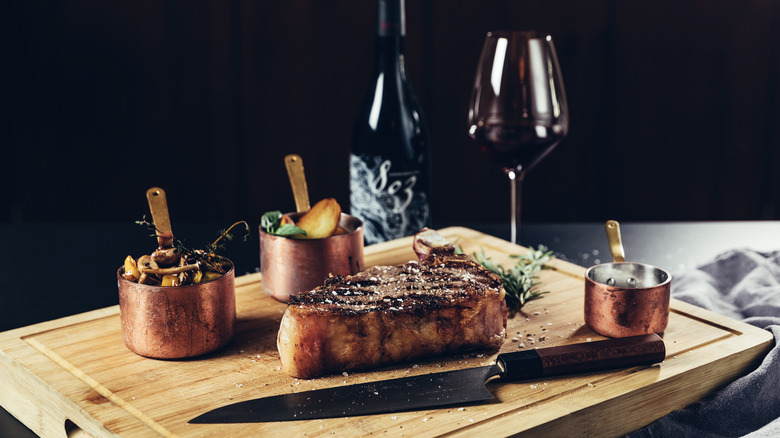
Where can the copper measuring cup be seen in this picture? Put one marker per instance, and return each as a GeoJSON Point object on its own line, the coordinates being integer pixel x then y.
{"type": "Point", "coordinates": [289, 265]}
{"type": "Point", "coordinates": [174, 322]}
{"type": "Point", "coordinates": [624, 298]}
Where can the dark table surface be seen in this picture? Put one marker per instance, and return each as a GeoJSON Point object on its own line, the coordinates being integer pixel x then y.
{"type": "Point", "coordinates": [50, 271]}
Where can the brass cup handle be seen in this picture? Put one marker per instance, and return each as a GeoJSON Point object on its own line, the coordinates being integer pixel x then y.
{"type": "Point", "coordinates": [615, 241]}
{"type": "Point", "coordinates": [294, 165]}
{"type": "Point", "coordinates": [158, 205]}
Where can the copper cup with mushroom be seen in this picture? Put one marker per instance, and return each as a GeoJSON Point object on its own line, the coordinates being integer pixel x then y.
{"type": "Point", "coordinates": [174, 303]}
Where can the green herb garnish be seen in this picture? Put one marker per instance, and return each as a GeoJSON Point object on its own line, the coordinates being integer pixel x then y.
{"type": "Point", "coordinates": [520, 281]}
{"type": "Point", "coordinates": [270, 224]}
{"type": "Point", "coordinates": [207, 257]}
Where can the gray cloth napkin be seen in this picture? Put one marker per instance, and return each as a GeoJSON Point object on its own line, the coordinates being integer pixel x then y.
{"type": "Point", "coordinates": [744, 285]}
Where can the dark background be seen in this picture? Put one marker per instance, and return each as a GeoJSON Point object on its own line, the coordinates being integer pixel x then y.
{"type": "Point", "coordinates": [674, 107]}
{"type": "Point", "coordinates": [674, 115]}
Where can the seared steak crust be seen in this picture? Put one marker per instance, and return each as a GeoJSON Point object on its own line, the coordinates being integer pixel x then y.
{"type": "Point", "coordinates": [390, 314]}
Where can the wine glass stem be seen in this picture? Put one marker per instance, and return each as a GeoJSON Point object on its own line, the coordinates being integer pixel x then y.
{"type": "Point", "coordinates": [515, 188]}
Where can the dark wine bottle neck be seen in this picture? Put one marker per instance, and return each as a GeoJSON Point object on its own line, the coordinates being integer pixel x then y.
{"type": "Point", "coordinates": [391, 20]}
{"type": "Point", "coordinates": [391, 32]}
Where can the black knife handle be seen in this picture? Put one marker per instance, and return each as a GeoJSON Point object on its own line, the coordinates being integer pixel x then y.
{"type": "Point", "coordinates": [578, 358]}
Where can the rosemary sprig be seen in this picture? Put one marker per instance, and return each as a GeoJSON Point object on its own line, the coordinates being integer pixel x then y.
{"type": "Point", "coordinates": [520, 281]}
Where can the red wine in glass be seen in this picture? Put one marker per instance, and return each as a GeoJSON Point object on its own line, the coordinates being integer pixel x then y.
{"type": "Point", "coordinates": [517, 145]}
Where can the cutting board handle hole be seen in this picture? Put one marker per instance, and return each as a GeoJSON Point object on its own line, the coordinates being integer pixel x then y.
{"type": "Point", "coordinates": [73, 431]}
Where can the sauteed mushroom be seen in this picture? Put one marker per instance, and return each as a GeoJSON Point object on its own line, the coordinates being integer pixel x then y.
{"type": "Point", "coordinates": [146, 263]}
{"type": "Point", "coordinates": [173, 264]}
{"type": "Point", "coordinates": [166, 256]}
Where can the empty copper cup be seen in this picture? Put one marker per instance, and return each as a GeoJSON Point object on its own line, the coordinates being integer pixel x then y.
{"type": "Point", "coordinates": [627, 299]}
{"type": "Point", "coordinates": [174, 322]}
{"type": "Point", "coordinates": [294, 265]}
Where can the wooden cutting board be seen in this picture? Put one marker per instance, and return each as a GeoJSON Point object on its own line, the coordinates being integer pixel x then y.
{"type": "Point", "coordinates": [74, 375]}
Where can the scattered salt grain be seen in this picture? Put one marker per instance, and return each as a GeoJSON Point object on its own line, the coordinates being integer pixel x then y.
{"type": "Point", "coordinates": [588, 340]}
{"type": "Point", "coordinates": [345, 374]}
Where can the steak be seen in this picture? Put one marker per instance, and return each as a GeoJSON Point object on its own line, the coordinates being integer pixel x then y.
{"type": "Point", "coordinates": [442, 304]}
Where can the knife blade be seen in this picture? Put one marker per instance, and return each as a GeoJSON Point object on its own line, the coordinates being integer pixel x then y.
{"type": "Point", "coordinates": [446, 388]}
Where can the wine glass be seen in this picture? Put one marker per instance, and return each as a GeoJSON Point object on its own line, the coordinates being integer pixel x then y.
{"type": "Point", "coordinates": [518, 110]}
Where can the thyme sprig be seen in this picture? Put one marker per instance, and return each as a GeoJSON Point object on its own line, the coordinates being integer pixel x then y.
{"type": "Point", "coordinates": [520, 281]}
{"type": "Point", "coordinates": [225, 234]}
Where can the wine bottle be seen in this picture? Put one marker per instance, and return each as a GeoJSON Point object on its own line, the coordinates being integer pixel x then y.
{"type": "Point", "coordinates": [390, 157]}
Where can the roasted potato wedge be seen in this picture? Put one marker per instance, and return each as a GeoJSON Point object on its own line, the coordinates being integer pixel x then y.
{"type": "Point", "coordinates": [322, 220]}
{"type": "Point", "coordinates": [131, 270]}
{"type": "Point", "coordinates": [170, 280]}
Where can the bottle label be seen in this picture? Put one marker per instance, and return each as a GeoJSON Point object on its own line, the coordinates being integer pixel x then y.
{"type": "Point", "coordinates": [390, 204]}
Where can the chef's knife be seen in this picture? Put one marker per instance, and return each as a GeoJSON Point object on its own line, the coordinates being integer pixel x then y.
{"type": "Point", "coordinates": [445, 388]}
